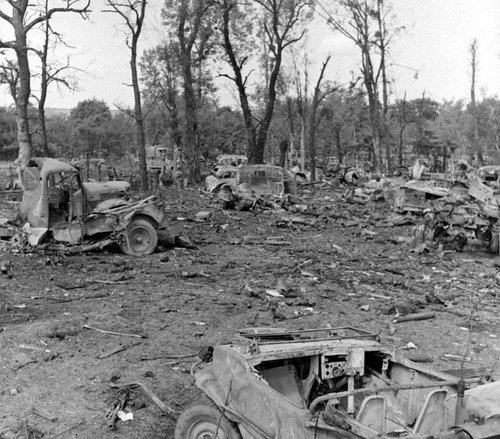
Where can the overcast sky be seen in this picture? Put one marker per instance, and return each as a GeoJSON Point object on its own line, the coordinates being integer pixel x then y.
{"type": "Point", "coordinates": [430, 56]}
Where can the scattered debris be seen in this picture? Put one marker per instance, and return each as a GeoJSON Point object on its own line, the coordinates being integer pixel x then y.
{"type": "Point", "coordinates": [163, 407]}
{"type": "Point", "coordinates": [104, 331]}
{"type": "Point", "coordinates": [117, 407]}
{"type": "Point", "coordinates": [414, 317]}
{"type": "Point", "coordinates": [116, 350]}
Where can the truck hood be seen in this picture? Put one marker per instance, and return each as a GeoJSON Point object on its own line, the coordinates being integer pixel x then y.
{"type": "Point", "coordinates": [104, 190]}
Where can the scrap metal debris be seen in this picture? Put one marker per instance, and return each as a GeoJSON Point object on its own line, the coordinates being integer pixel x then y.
{"type": "Point", "coordinates": [458, 210]}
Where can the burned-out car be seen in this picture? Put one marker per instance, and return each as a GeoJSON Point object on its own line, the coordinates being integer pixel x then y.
{"type": "Point", "coordinates": [59, 206]}
{"type": "Point", "coordinates": [220, 175]}
{"type": "Point", "coordinates": [332, 383]}
{"type": "Point", "coordinates": [244, 186]}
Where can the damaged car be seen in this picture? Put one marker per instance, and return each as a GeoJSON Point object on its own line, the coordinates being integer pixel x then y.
{"type": "Point", "coordinates": [59, 206]}
{"type": "Point", "coordinates": [253, 184]}
{"type": "Point", "coordinates": [332, 383]}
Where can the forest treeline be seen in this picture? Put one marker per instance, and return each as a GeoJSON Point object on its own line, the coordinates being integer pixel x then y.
{"type": "Point", "coordinates": [285, 107]}
{"type": "Point", "coordinates": [419, 128]}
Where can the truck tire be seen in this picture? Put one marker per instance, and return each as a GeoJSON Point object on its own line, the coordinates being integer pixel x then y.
{"type": "Point", "coordinates": [140, 237]}
{"type": "Point", "coordinates": [202, 420]}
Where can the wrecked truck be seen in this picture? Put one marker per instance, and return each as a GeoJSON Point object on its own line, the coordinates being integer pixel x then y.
{"type": "Point", "coordinates": [468, 215]}
{"type": "Point", "coordinates": [59, 206]}
{"type": "Point", "coordinates": [332, 383]}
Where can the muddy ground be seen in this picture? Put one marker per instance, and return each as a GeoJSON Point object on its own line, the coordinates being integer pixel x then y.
{"type": "Point", "coordinates": [341, 264]}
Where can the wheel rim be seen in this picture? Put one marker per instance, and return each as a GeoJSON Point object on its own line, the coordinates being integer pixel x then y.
{"type": "Point", "coordinates": [139, 239]}
{"type": "Point", "coordinates": [205, 430]}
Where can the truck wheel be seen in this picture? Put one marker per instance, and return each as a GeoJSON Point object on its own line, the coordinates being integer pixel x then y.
{"type": "Point", "coordinates": [140, 238]}
{"type": "Point", "coordinates": [203, 420]}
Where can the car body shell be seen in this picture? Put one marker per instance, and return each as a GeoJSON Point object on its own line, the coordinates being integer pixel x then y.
{"type": "Point", "coordinates": [285, 387]}
{"type": "Point", "coordinates": [56, 200]}
{"type": "Point", "coordinates": [251, 181]}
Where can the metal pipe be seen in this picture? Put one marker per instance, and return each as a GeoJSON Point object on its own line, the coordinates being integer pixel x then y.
{"type": "Point", "coordinates": [398, 387]}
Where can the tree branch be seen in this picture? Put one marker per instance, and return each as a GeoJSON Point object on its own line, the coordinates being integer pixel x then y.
{"type": "Point", "coordinates": [5, 17]}
{"type": "Point", "coordinates": [41, 18]}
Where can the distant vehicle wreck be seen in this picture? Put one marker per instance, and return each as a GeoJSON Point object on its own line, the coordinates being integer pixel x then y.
{"type": "Point", "coordinates": [467, 214]}
{"type": "Point", "coordinates": [331, 383]}
{"type": "Point", "coordinates": [244, 186]}
{"type": "Point", "coordinates": [59, 206]}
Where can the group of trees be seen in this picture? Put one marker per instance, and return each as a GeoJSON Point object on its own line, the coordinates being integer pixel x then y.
{"type": "Point", "coordinates": [285, 109]}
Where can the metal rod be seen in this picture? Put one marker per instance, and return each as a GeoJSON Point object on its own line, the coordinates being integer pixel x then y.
{"type": "Point", "coordinates": [397, 387]}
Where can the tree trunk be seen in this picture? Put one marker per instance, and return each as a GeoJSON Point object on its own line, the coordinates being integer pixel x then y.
{"type": "Point", "coordinates": [43, 129]}
{"type": "Point", "coordinates": [475, 116]}
{"type": "Point", "coordinates": [302, 144]}
{"type": "Point", "coordinates": [312, 120]}
{"type": "Point", "coordinates": [338, 146]}
{"type": "Point", "coordinates": [24, 91]}
{"type": "Point", "coordinates": [292, 153]}
{"type": "Point", "coordinates": [374, 122]}
{"type": "Point", "coordinates": [240, 84]}
{"type": "Point", "coordinates": [283, 152]}
{"type": "Point", "coordinates": [43, 90]}
{"type": "Point", "coordinates": [445, 159]}
{"type": "Point", "coordinates": [190, 135]}
{"type": "Point", "coordinates": [140, 139]}
{"type": "Point", "coordinates": [385, 129]}
{"type": "Point", "coordinates": [268, 115]}
{"type": "Point", "coordinates": [402, 127]}
{"type": "Point", "coordinates": [312, 144]}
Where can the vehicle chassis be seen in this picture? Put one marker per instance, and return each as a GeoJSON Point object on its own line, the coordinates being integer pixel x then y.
{"type": "Point", "coordinates": [333, 383]}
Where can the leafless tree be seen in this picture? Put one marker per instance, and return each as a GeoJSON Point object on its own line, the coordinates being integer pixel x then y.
{"type": "Point", "coordinates": [133, 12]}
{"type": "Point", "coordinates": [364, 23]}
{"type": "Point", "coordinates": [302, 91]}
{"type": "Point", "coordinates": [50, 73]}
{"type": "Point", "coordinates": [280, 26]}
{"type": "Point", "coordinates": [476, 147]}
{"type": "Point", "coordinates": [23, 18]}
{"type": "Point", "coordinates": [192, 25]}
{"type": "Point", "coordinates": [318, 96]}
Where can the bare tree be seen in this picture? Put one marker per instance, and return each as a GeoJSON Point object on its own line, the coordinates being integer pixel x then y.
{"type": "Point", "coordinates": [192, 33]}
{"type": "Point", "coordinates": [318, 96]}
{"type": "Point", "coordinates": [25, 17]}
{"type": "Point", "coordinates": [280, 21]}
{"type": "Point", "coordinates": [51, 72]}
{"type": "Point", "coordinates": [302, 91]}
{"type": "Point", "coordinates": [133, 12]}
{"type": "Point", "coordinates": [364, 23]}
{"type": "Point", "coordinates": [401, 116]}
{"type": "Point", "coordinates": [476, 147]}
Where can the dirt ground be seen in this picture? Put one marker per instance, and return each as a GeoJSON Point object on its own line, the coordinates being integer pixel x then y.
{"type": "Point", "coordinates": [339, 264]}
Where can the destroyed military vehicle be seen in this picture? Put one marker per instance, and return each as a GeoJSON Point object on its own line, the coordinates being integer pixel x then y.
{"type": "Point", "coordinates": [244, 186]}
{"type": "Point", "coordinates": [467, 215]}
{"type": "Point", "coordinates": [332, 383]}
{"type": "Point", "coordinates": [58, 206]}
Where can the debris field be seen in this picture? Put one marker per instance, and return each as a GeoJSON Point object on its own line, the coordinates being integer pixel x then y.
{"type": "Point", "coordinates": [100, 344]}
